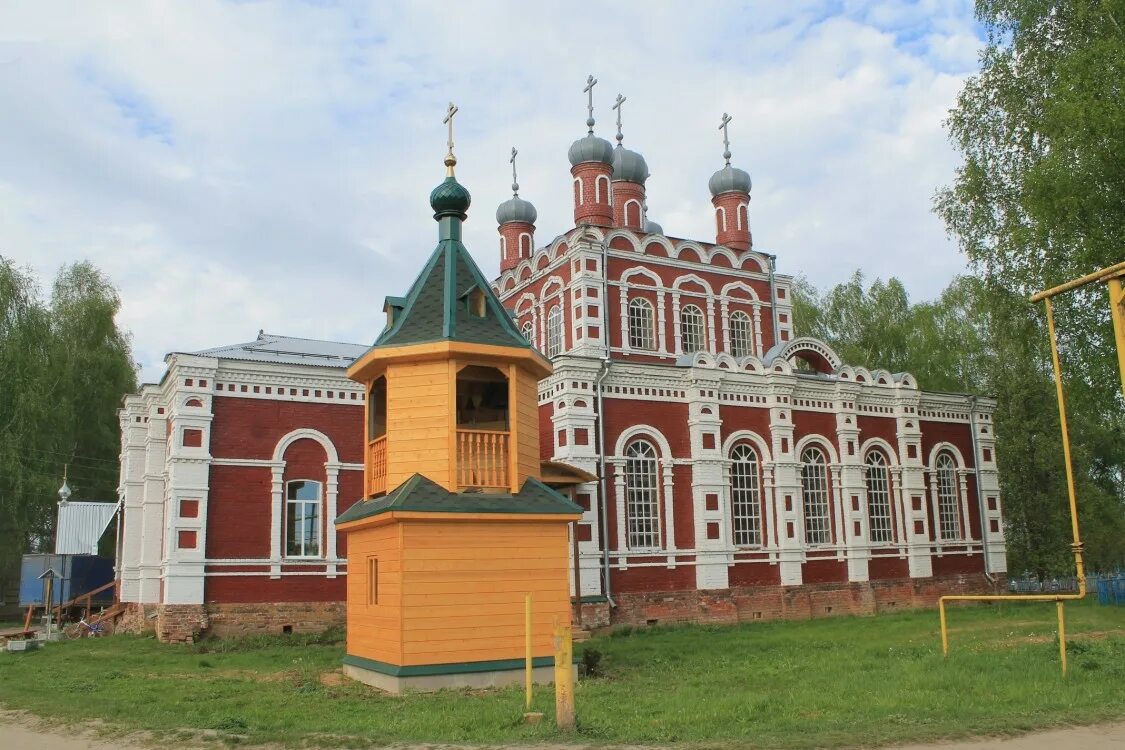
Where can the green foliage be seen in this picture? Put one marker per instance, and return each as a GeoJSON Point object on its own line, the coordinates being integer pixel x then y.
{"type": "Point", "coordinates": [833, 682]}
{"type": "Point", "coordinates": [1039, 200]}
{"type": "Point", "coordinates": [64, 367]}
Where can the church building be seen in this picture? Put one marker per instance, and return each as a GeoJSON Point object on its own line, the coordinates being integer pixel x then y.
{"type": "Point", "coordinates": [727, 468]}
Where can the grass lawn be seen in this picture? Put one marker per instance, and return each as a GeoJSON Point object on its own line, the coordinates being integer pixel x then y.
{"type": "Point", "coordinates": [831, 682]}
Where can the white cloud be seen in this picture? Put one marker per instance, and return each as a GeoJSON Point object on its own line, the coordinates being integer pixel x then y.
{"type": "Point", "coordinates": [245, 166]}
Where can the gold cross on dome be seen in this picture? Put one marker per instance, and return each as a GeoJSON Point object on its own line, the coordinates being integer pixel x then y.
{"type": "Point", "coordinates": [450, 159]}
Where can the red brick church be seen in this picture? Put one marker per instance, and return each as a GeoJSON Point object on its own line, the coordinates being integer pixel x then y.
{"type": "Point", "coordinates": [740, 470]}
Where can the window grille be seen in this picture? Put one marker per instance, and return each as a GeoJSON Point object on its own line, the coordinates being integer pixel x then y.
{"type": "Point", "coordinates": [554, 332]}
{"type": "Point", "coordinates": [814, 491]}
{"type": "Point", "coordinates": [691, 329]}
{"type": "Point", "coordinates": [746, 498]}
{"type": "Point", "coordinates": [641, 325]}
{"type": "Point", "coordinates": [949, 515]}
{"type": "Point", "coordinates": [302, 518]}
{"type": "Point", "coordinates": [741, 335]}
{"type": "Point", "coordinates": [642, 496]}
{"type": "Point", "coordinates": [879, 498]}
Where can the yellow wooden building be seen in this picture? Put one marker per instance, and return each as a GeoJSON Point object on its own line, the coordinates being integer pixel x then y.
{"type": "Point", "coordinates": [456, 527]}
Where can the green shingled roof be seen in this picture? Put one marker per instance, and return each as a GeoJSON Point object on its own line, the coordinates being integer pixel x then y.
{"type": "Point", "coordinates": [438, 306]}
{"type": "Point", "coordinates": [423, 495]}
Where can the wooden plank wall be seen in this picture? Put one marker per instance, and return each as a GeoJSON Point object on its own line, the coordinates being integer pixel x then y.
{"type": "Point", "coordinates": [525, 417]}
{"type": "Point", "coordinates": [375, 630]}
{"type": "Point", "coordinates": [418, 404]}
{"type": "Point", "coordinates": [464, 585]}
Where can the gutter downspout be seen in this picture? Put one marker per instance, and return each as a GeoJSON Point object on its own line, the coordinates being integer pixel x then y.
{"type": "Point", "coordinates": [773, 300]}
{"type": "Point", "coordinates": [603, 497]}
{"type": "Point", "coordinates": [976, 488]}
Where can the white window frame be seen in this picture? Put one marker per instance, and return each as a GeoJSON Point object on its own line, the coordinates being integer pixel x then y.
{"type": "Point", "coordinates": [555, 331]}
{"type": "Point", "coordinates": [948, 497]}
{"type": "Point", "coordinates": [877, 478]}
{"type": "Point", "coordinates": [642, 325]}
{"type": "Point", "coordinates": [745, 496]}
{"type": "Point", "coordinates": [292, 506]}
{"type": "Point", "coordinates": [528, 331]}
{"type": "Point", "coordinates": [642, 496]}
{"type": "Point", "coordinates": [815, 498]}
{"type": "Point", "coordinates": [693, 329]}
{"type": "Point", "coordinates": [741, 335]}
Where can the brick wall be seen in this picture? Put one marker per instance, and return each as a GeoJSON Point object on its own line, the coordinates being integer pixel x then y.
{"type": "Point", "coordinates": [274, 619]}
{"type": "Point", "coordinates": [749, 603]}
{"type": "Point", "coordinates": [181, 623]}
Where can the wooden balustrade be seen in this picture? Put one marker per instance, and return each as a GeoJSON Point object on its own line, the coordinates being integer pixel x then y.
{"type": "Point", "coordinates": [377, 466]}
{"type": "Point", "coordinates": [482, 459]}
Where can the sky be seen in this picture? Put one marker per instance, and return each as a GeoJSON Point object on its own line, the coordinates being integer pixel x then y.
{"type": "Point", "coordinates": [236, 166]}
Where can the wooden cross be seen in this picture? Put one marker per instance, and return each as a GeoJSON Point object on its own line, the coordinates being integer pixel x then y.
{"type": "Point", "coordinates": [590, 81]}
{"type": "Point", "coordinates": [726, 139]}
{"type": "Point", "coordinates": [617, 106]}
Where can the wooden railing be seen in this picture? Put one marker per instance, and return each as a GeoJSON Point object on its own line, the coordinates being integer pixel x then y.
{"type": "Point", "coordinates": [377, 466]}
{"type": "Point", "coordinates": [482, 459]}
{"type": "Point", "coordinates": [85, 601]}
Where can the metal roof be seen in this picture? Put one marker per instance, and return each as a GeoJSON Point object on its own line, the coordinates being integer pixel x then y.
{"type": "Point", "coordinates": [81, 525]}
{"type": "Point", "coordinates": [270, 347]}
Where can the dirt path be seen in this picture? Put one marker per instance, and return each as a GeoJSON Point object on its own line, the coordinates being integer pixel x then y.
{"type": "Point", "coordinates": [17, 733]}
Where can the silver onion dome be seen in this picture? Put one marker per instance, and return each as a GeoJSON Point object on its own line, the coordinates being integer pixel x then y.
{"type": "Point", "coordinates": [729, 180]}
{"type": "Point", "coordinates": [629, 166]}
{"type": "Point", "coordinates": [516, 209]}
{"type": "Point", "coordinates": [651, 227]}
{"type": "Point", "coordinates": [590, 148]}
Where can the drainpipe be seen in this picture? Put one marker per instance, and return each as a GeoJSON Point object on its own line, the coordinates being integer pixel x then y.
{"type": "Point", "coordinates": [773, 300]}
{"type": "Point", "coordinates": [603, 373]}
{"type": "Point", "coordinates": [976, 488]}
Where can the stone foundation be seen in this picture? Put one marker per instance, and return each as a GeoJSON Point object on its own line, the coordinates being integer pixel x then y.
{"type": "Point", "coordinates": [181, 623]}
{"type": "Point", "coordinates": [750, 603]}
{"type": "Point", "coordinates": [275, 619]}
{"type": "Point", "coordinates": [137, 619]}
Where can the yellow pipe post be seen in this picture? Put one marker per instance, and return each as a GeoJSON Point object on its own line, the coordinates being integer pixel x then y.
{"type": "Point", "coordinates": [1062, 634]}
{"type": "Point", "coordinates": [1076, 544]}
{"type": "Point", "coordinates": [527, 652]}
{"type": "Point", "coordinates": [1117, 312]}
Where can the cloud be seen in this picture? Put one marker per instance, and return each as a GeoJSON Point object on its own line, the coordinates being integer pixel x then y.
{"type": "Point", "coordinates": [237, 166]}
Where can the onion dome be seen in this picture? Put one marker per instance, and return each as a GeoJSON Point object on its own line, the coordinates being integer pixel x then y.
{"type": "Point", "coordinates": [590, 148]}
{"type": "Point", "coordinates": [729, 180]}
{"type": "Point", "coordinates": [651, 227]}
{"type": "Point", "coordinates": [629, 166]}
{"type": "Point", "coordinates": [450, 197]}
{"type": "Point", "coordinates": [516, 209]}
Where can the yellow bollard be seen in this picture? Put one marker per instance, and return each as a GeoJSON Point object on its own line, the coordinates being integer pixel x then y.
{"type": "Point", "coordinates": [1062, 634]}
{"type": "Point", "coordinates": [564, 678]}
{"type": "Point", "coordinates": [944, 631]}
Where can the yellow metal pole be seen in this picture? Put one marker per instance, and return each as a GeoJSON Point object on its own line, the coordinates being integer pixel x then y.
{"type": "Point", "coordinates": [944, 631]}
{"type": "Point", "coordinates": [1117, 312]}
{"type": "Point", "coordinates": [564, 678]}
{"type": "Point", "coordinates": [1062, 635]}
{"type": "Point", "coordinates": [1076, 545]}
{"type": "Point", "coordinates": [527, 652]}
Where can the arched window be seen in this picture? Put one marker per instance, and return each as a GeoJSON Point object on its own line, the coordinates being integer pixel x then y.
{"type": "Point", "coordinates": [745, 496]}
{"type": "Point", "coordinates": [302, 518]}
{"type": "Point", "coordinates": [525, 245]}
{"type": "Point", "coordinates": [642, 502]}
{"type": "Point", "coordinates": [692, 335]}
{"type": "Point", "coordinates": [949, 515]}
{"type": "Point", "coordinates": [554, 331]}
{"type": "Point", "coordinates": [721, 219]}
{"type": "Point", "coordinates": [814, 493]}
{"type": "Point", "coordinates": [640, 324]}
{"type": "Point", "coordinates": [879, 498]}
{"type": "Point", "coordinates": [528, 332]}
{"type": "Point", "coordinates": [741, 335]}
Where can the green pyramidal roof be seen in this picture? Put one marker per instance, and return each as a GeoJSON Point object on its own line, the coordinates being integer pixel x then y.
{"type": "Point", "coordinates": [444, 302]}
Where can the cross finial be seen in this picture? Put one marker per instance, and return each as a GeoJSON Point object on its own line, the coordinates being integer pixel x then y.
{"type": "Point", "coordinates": [726, 138]}
{"type": "Point", "coordinates": [617, 106]}
{"type": "Point", "coordinates": [590, 81]}
{"type": "Point", "coordinates": [450, 159]}
{"type": "Point", "coordinates": [515, 182]}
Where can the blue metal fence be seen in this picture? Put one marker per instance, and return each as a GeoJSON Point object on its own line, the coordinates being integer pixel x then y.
{"type": "Point", "coordinates": [1111, 589]}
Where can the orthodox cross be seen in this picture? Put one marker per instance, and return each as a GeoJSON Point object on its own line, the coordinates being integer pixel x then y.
{"type": "Point", "coordinates": [450, 159]}
{"type": "Point", "coordinates": [515, 182]}
{"type": "Point", "coordinates": [589, 90]}
{"type": "Point", "coordinates": [617, 106]}
{"type": "Point", "coordinates": [726, 139]}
